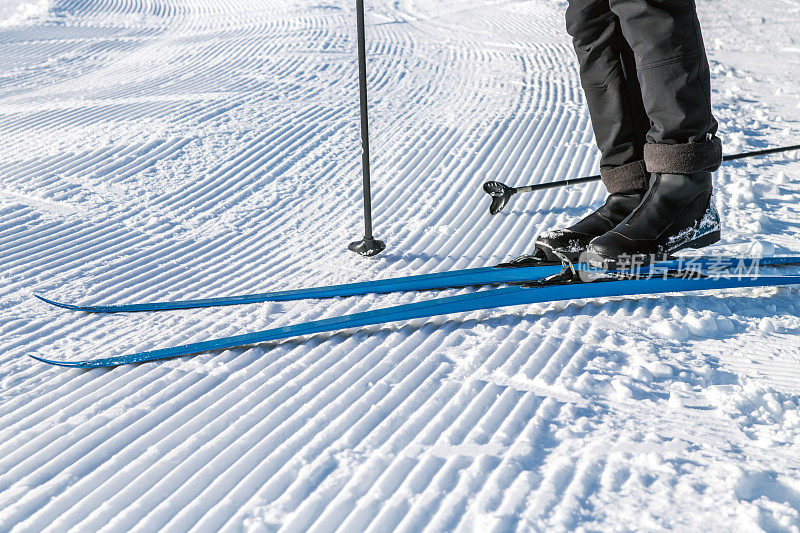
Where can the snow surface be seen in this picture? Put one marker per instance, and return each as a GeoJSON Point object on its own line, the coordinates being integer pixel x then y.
{"type": "Point", "coordinates": [15, 12]}
{"type": "Point", "coordinates": [177, 148]}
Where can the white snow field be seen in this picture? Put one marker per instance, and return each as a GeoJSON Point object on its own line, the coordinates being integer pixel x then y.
{"type": "Point", "coordinates": [165, 149]}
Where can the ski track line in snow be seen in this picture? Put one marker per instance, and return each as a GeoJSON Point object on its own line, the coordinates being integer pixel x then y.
{"type": "Point", "coordinates": [176, 149]}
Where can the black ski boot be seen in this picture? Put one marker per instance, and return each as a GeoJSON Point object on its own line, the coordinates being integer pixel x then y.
{"type": "Point", "coordinates": [677, 213]}
{"type": "Point", "coordinates": [571, 242]}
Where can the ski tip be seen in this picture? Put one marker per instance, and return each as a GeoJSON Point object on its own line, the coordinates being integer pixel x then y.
{"type": "Point", "coordinates": [51, 302]}
{"type": "Point", "coordinates": [61, 305]}
{"type": "Point", "coordinates": [89, 364]}
{"type": "Point", "coordinates": [55, 363]}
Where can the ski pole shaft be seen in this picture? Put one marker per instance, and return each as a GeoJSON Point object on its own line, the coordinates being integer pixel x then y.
{"type": "Point", "coordinates": [555, 184]}
{"type": "Point", "coordinates": [362, 86]}
{"type": "Point", "coordinates": [501, 193]}
{"type": "Point", "coordinates": [588, 179]}
{"type": "Point", "coordinates": [368, 246]}
{"type": "Point", "coordinates": [758, 153]}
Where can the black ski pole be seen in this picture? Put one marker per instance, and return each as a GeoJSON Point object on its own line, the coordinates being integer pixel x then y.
{"type": "Point", "coordinates": [502, 193]}
{"type": "Point", "coordinates": [367, 246]}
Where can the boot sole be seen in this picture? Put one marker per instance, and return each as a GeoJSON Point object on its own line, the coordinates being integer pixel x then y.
{"type": "Point", "coordinates": [701, 242]}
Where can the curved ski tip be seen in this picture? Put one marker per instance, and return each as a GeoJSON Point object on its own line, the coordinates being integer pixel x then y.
{"type": "Point", "coordinates": [54, 363]}
{"type": "Point", "coordinates": [39, 295]}
{"type": "Point", "coordinates": [57, 304]}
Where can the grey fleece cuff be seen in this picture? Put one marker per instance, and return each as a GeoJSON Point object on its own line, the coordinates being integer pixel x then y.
{"type": "Point", "coordinates": [625, 178]}
{"type": "Point", "coordinates": [683, 158]}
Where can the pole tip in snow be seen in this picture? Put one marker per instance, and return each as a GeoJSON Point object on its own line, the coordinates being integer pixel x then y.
{"type": "Point", "coordinates": [367, 247]}
{"type": "Point", "coordinates": [500, 194]}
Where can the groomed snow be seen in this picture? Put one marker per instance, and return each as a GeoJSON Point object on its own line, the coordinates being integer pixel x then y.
{"type": "Point", "coordinates": [15, 12]}
{"type": "Point", "coordinates": [165, 149]}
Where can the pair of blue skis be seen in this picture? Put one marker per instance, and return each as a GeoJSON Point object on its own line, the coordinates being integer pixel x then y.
{"type": "Point", "coordinates": [539, 284]}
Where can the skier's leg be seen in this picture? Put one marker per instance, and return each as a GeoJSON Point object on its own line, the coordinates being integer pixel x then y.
{"type": "Point", "coordinates": [675, 80]}
{"type": "Point", "coordinates": [608, 78]}
{"type": "Point", "coordinates": [681, 150]}
{"type": "Point", "coordinates": [633, 92]}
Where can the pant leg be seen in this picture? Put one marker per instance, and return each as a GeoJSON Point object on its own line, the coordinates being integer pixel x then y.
{"type": "Point", "coordinates": [633, 92]}
{"type": "Point", "coordinates": [608, 77]}
{"type": "Point", "coordinates": [675, 81]}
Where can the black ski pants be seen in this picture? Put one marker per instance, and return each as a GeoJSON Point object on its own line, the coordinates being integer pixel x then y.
{"type": "Point", "coordinates": [644, 71]}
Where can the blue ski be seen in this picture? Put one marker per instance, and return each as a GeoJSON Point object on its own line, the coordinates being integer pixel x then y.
{"type": "Point", "coordinates": [485, 299]}
{"type": "Point", "coordinates": [420, 282]}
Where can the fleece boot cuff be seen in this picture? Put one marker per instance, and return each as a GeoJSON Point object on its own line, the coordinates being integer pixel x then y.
{"type": "Point", "coordinates": [683, 158]}
{"type": "Point", "coordinates": [626, 178]}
